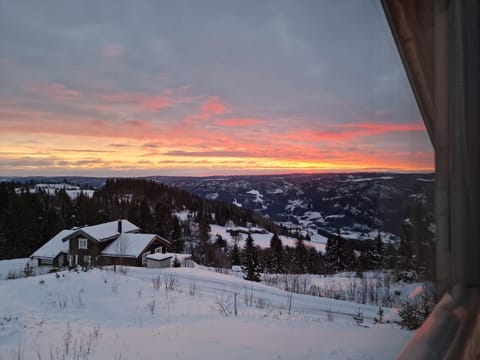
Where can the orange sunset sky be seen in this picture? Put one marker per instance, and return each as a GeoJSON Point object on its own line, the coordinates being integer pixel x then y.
{"type": "Point", "coordinates": [203, 88]}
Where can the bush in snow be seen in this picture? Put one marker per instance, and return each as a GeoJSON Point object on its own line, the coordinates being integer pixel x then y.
{"type": "Point", "coordinates": [358, 318]}
{"type": "Point", "coordinates": [415, 311]}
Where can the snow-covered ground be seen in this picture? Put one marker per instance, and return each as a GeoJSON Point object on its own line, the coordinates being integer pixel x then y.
{"type": "Point", "coordinates": [185, 313]}
{"type": "Point", "coordinates": [14, 267]}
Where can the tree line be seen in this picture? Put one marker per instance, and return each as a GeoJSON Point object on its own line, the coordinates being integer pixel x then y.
{"type": "Point", "coordinates": [30, 218]}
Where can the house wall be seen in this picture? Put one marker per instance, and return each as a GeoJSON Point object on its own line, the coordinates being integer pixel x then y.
{"type": "Point", "coordinates": [58, 261]}
{"type": "Point", "coordinates": [111, 260]}
{"type": "Point", "coordinates": [93, 250]}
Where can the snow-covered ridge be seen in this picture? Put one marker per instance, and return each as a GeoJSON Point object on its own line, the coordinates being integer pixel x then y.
{"type": "Point", "coordinates": [73, 191]}
{"type": "Point", "coordinates": [370, 179]}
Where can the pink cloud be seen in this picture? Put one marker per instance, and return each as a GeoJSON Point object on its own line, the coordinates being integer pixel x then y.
{"type": "Point", "coordinates": [53, 91]}
{"type": "Point", "coordinates": [237, 122]}
{"type": "Point", "coordinates": [213, 106]}
{"type": "Point", "coordinates": [156, 103]}
{"type": "Point", "coordinates": [113, 50]}
{"type": "Point", "coordinates": [381, 127]}
{"type": "Point", "coordinates": [143, 102]}
{"type": "Point", "coordinates": [139, 123]}
{"type": "Point", "coordinates": [339, 132]}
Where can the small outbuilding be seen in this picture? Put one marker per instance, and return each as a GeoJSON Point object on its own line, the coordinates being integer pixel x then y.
{"type": "Point", "coordinates": [166, 260]}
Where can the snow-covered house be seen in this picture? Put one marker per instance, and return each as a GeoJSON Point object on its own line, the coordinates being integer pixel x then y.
{"type": "Point", "coordinates": [112, 243]}
{"type": "Point", "coordinates": [54, 252]}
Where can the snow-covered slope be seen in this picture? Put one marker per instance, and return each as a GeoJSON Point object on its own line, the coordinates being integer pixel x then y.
{"type": "Point", "coordinates": [260, 239]}
{"type": "Point", "coordinates": [104, 315]}
{"type": "Point", "coordinates": [357, 204]}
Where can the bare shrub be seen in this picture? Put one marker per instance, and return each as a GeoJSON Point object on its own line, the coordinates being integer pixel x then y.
{"type": "Point", "coordinates": [330, 316]}
{"type": "Point", "coordinates": [192, 288]}
{"type": "Point", "coordinates": [78, 300]}
{"type": "Point", "coordinates": [20, 352]}
{"type": "Point", "coordinates": [67, 338]}
{"type": "Point", "coordinates": [248, 297]}
{"type": "Point", "coordinates": [62, 301]}
{"type": "Point", "coordinates": [222, 270]}
{"type": "Point", "coordinates": [170, 281]}
{"type": "Point", "coordinates": [12, 275]}
{"type": "Point", "coordinates": [157, 282]}
{"type": "Point", "coordinates": [151, 307]}
{"type": "Point", "coordinates": [351, 289]}
{"type": "Point", "coordinates": [289, 302]}
{"type": "Point", "coordinates": [363, 290]}
{"type": "Point", "coordinates": [223, 306]}
{"type": "Point", "coordinates": [235, 308]}
{"type": "Point", "coordinates": [114, 285]}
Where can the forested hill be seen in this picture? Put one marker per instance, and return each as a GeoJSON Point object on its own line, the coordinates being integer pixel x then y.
{"type": "Point", "coordinates": [30, 218]}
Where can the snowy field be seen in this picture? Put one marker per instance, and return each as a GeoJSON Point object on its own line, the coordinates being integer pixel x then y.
{"type": "Point", "coordinates": [262, 240]}
{"type": "Point", "coordinates": [185, 313]}
{"type": "Point", "coordinates": [73, 191]}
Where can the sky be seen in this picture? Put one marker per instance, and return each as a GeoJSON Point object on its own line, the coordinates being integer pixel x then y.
{"type": "Point", "coordinates": [131, 88]}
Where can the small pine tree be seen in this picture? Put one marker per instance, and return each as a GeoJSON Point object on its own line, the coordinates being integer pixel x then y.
{"type": "Point", "coordinates": [358, 318]}
{"type": "Point", "coordinates": [251, 266]}
{"type": "Point", "coordinates": [380, 313]}
{"type": "Point", "coordinates": [176, 262]}
{"type": "Point", "coordinates": [235, 257]}
{"type": "Point", "coordinates": [411, 317]}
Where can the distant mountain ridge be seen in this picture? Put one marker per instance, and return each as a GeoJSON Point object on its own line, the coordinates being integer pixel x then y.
{"type": "Point", "coordinates": [357, 204]}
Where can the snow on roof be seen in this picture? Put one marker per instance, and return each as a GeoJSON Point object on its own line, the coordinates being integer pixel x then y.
{"type": "Point", "coordinates": [108, 230]}
{"type": "Point", "coordinates": [169, 256]}
{"type": "Point", "coordinates": [129, 245]}
{"type": "Point", "coordinates": [54, 246]}
{"type": "Point", "coordinates": [159, 256]}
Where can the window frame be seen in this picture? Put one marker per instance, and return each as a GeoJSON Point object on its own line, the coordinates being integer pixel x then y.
{"type": "Point", "coordinates": [83, 243]}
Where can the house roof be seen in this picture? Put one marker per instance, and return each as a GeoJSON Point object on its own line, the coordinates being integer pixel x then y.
{"type": "Point", "coordinates": [162, 257]}
{"type": "Point", "coordinates": [130, 245]}
{"type": "Point", "coordinates": [159, 256]}
{"type": "Point", "coordinates": [54, 246]}
{"type": "Point", "coordinates": [105, 231]}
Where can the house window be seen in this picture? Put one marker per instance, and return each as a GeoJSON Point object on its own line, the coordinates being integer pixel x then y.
{"type": "Point", "coordinates": [86, 259]}
{"type": "Point", "coordinates": [46, 261]}
{"type": "Point", "coordinates": [159, 249]}
{"type": "Point", "coordinates": [82, 243]}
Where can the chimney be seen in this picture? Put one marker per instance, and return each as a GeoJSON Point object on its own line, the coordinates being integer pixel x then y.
{"type": "Point", "coordinates": [119, 229]}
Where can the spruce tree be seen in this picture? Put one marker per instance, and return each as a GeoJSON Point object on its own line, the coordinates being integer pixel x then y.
{"type": "Point", "coordinates": [300, 259]}
{"type": "Point", "coordinates": [334, 254]}
{"type": "Point", "coordinates": [277, 254]}
{"type": "Point", "coordinates": [377, 260]}
{"type": "Point", "coordinates": [235, 255]}
{"type": "Point", "coordinates": [250, 261]}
